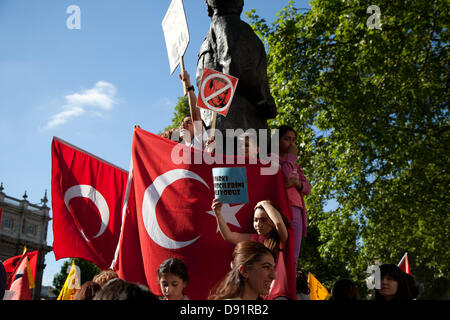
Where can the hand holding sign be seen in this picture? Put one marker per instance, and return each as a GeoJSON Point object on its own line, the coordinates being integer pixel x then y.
{"type": "Point", "coordinates": [230, 184]}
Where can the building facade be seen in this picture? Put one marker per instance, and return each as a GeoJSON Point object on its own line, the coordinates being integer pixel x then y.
{"type": "Point", "coordinates": [24, 224]}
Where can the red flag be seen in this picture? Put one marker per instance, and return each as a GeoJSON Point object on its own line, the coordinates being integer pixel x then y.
{"type": "Point", "coordinates": [20, 285]}
{"type": "Point", "coordinates": [87, 197]}
{"type": "Point", "coordinates": [128, 259]}
{"type": "Point", "coordinates": [12, 264]}
{"type": "Point", "coordinates": [173, 201]}
{"type": "Point", "coordinates": [404, 264]}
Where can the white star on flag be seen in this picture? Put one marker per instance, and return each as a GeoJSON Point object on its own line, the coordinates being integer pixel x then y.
{"type": "Point", "coordinates": [229, 214]}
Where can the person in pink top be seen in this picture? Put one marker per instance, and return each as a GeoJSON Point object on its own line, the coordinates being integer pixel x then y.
{"type": "Point", "coordinates": [296, 184]}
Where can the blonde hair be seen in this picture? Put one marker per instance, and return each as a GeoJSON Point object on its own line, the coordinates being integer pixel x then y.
{"type": "Point", "coordinates": [104, 276]}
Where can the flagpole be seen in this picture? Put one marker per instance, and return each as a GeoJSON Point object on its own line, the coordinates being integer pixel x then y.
{"type": "Point", "coordinates": [182, 72]}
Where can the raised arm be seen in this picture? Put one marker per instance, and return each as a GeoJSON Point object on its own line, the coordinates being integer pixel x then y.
{"type": "Point", "coordinates": [276, 218]}
{"type": "Point", "coordinates": [227, 234]}
{"type": "Point", "coordinates": [195, 112]}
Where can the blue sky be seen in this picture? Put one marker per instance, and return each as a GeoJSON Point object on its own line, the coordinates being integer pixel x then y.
{"type": "Point", "coordinates": [88, 86]}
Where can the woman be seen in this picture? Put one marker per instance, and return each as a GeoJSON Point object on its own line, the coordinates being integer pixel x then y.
{"type": "Point", "coordinates": [393, 284]}
{"type": "Point", "coordinates": [251, 275]}
{"type": "Point", "coordinates": [271, 230]}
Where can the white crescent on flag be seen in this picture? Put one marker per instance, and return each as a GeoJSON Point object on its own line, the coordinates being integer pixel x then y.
{"type": "Point", "coordinates": [151, 197]}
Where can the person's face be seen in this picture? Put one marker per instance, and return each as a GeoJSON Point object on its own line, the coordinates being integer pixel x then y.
{"type": "Point", "coordinates": [262, 223]}
{"type": "Point", "coordinates": [286, 141]}
{"type": "Point", "coordinates": [188, 125]}
{"type": "Point", "coordinates": [172, 286]}
{"type": "Point", "coordinates": [260, 275]}
{"type": "Point", "coordinates": [389, 287]}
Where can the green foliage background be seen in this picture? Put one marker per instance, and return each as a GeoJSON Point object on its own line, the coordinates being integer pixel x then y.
{"type": "Point", "coordinates": [370, 108]}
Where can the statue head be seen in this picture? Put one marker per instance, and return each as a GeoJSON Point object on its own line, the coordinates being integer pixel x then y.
{"type": "Point", "coordinates": [223, 7]}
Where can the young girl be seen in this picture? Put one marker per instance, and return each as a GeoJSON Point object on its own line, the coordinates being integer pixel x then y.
{"type": "Point", "coordinates": [173, 279]}
{"type": "Point", "coordinates": [271, 230]}
{"type": "Point", "coordinates": [252, 272]}
{"type": "Point", "coordinates": [296, 184]}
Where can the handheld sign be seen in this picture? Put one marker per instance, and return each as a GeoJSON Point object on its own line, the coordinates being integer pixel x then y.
{"type": "Point", "coordinates": [230, 184]}
{"type": "Point", "coordinates": [176, 33]}
{"type": "Point", "coordinates": [216, 91]}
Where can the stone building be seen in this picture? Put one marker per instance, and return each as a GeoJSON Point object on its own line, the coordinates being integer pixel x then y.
{"type": "Point", "coordinates": [24, 224]}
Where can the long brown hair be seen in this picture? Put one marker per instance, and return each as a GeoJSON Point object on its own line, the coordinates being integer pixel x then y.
{"type": "Point", "coordinates": [272, 240]}
{"type": "Point", "coordinates": [245, 254]}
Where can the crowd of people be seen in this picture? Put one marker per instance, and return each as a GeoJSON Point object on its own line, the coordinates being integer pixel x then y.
{"type": "Point", "coordinates": [258, 259]}
{"type": "Point", "coordinates": [253, 269]}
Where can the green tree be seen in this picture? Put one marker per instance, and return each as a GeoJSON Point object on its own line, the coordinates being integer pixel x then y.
{"type": "Point", "coordinates": [370, 108]}
{"type": "Point", "coordinates": [87, 269]}
{"type": "Point", "coordinates": [181, 111]}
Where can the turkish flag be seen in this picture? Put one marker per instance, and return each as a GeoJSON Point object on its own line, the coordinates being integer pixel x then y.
{"type": "Point", "coordinates": [128, 259]}
{"type": "Point", "coordinates": [175, 219]}
{"type": "Point", "coordinates": [12, 264]}
{"type": "Point", "coordinates": [87, 197]}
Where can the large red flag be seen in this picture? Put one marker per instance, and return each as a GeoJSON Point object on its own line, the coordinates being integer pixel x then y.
{"type": "Point", "coordinates": [128, 259]}
{"type": "Point", "coordinates": [175, 219]}
{"type": "Point", "coordinates": [12, 264]}
{"type": "Point", "coordinates": [87, 197]}
{"type": "Point", "coordinates": [20, 285]}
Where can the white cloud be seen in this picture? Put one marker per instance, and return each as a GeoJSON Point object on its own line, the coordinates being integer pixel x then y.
{"type": "Point", "coordinates": [101, 97]}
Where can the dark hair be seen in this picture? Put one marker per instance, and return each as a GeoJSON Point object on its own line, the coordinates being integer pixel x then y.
{"type": "Point", "coordinates": [283, 129]}
{"type": "Point", "coordinates": [2, 280]}
{"type": "Point", "coordinates": [118, 289]}
{"type": "Point", "coordinates": [245, 254]}
{"type": "Point", "coordinates": [344, 290]}
{"type": "Point", "coordinates": [301, 282]}
{"type": "Point", "coordinates": [398, 275]}
{"type": "Point", "coordinates": [412, 285]}
{"type": "Point", "coordinates": [87, 291]}
{"type": "Point", "coordinates": [174, 266]}
{"type": "Point", "coordinates": [272, 240]}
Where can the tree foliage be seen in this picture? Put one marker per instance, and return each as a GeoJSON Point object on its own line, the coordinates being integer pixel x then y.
{"type": "Point", "coordinates": [87, 269]}
{"type": "Point", "coordinates": [370, 108]}
{"type": "Point", "coordinates": [181, 111]}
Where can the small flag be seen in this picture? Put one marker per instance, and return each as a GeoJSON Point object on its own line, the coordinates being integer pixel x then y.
{"type": "Point", "coordinates": [20, 286]}
{"type": "Point", "coordinates": [71, 285]}
{"type": "Point", "coordinates": [317, 290]}
{"type": "Point", "coordinates": [404, 264]}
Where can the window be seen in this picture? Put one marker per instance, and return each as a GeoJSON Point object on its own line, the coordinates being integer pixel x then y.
{"type": "Point", "coordinates": [7, 223]}
{"type": "Point", "coordinates": [31, 230]}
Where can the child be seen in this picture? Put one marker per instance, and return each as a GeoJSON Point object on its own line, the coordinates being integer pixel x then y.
{"type": "Point", "coordinates": [173, 279]}
{"type": "Point", "coordinates": [271, 230]}
{"type": "Point", "coordinates": [296, 184]}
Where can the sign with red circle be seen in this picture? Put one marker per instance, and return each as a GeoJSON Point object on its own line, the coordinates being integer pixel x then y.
{"type": "Point", "coordinates": [216, 91]}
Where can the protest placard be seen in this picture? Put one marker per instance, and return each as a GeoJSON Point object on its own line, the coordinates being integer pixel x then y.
{"type": "Point", "coordinates": [230, 184]}
{"type": "Point", "coordinates": [176, 33]}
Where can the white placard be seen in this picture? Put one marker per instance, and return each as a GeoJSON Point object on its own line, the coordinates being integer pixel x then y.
{"type": "Point", "coordinates": [176, 33]}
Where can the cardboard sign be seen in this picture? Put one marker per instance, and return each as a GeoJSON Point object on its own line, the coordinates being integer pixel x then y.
{"type": "Point", "coordinates": [176, 33]}
{"type": "Point", "coordinates": [230, 184]}
{"type": "Point", "coordinates": [216, 91]}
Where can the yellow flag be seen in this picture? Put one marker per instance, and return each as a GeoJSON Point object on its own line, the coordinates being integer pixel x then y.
{"type": "Point", "coordinates": [317, 290]}
{"type": "Point", "coordinates": [29, 273]}
{"type": "Point", "coordinates": [71, 285]}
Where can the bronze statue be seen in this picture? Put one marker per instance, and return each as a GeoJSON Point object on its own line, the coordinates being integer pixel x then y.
{"type": "Point", "coordinates": [232, 47]}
